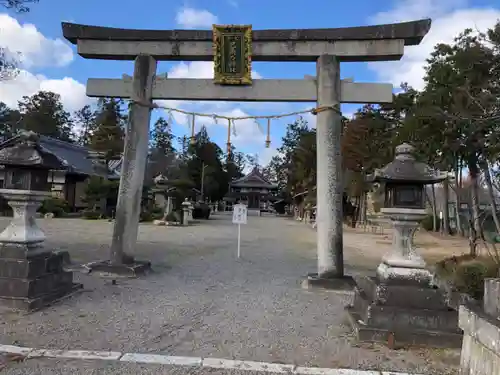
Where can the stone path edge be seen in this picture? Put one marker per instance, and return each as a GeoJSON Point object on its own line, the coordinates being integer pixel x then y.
{"type": "Point", "coordinates": [214, 363]}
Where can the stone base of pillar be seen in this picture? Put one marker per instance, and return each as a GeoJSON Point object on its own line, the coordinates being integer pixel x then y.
{"type": "Point", "coordinates": [129, 268]}
{"type": "Point", "coordinates": [403, 314]}
{"type": "Point", "coordinates": [30, 280]}
{"type": "Point", "coordinates": [325, 282]}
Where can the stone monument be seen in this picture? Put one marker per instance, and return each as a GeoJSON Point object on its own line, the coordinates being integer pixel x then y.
{"type": "Point", "coordinates": [31, 276]}
{"type": "Point", "coordinates": [400, 305]}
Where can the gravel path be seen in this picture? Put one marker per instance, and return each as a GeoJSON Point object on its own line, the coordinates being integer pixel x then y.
{"type": "Point", "coordinates": [202, 301]}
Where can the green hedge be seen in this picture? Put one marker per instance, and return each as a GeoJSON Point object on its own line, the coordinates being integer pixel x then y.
{"type": "Point", "coordinates": [201, 211]}
{"type": "Point", "coordinates": [173, 217]}
{"type": "Point", "coordinates": [427, 223]}
{"type": "Point", "coordinates": [467, 273]}
{"type": "Point", "coordinates": [92, 215]}
{"type": "Point", "coordinates": [469, 277]}
{"type": "Point", "coordinates": [57, 206]}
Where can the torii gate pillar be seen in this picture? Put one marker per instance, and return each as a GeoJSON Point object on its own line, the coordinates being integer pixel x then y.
{"type": "Point", "coordinates": [329, 186]}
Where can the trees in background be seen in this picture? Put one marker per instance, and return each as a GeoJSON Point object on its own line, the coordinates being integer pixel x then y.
{"type": "Point", "coordinates": [21, 6]}
{"type": "Point", "coordinates": [101, 127]}
{"type": "Point", "coordinates": [106, 134]}
{"type": "Point", "coordinates": [454, 123]}
{"type": "Point", "coordinates": [44, 113]}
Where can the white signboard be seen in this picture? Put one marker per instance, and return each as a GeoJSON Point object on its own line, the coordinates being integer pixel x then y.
{"type": "Point", "coordinates": [239, 214]}
{"type": "Point", "coordinates": [239, 217]}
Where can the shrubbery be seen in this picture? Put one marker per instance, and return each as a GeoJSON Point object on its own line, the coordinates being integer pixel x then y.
{"type": "Point", "coordinates": [173, 217]}
{"type": "Point", "coordinates": [201, 211]}
{"type": "Point", "coordinates": [57, 206]}
{"type": "Point", "coordinates": [146, 216]}
{"type": "Point", "coordinates": [428, 224]}
{"type": "Point", "coordinates": [92, 215]}
{"type": "Point", "coordinates": [467, 273]}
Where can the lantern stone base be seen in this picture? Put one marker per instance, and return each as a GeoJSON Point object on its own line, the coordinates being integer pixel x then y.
{"type": "Point", "coordinates": [129, 268]}
{"type": "Point", "coordinates": [403, 314]}
{"type": "Point", "coordinates": [30, 280]}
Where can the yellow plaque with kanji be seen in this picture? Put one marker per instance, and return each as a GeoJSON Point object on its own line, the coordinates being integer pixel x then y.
{"type": "Point", "coordinates": [232, 46]}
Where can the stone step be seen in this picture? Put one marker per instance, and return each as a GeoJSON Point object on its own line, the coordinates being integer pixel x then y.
{"type": "Point", "coordinates": [402, 337]}
{"type": "Point", "coordinates": [32, 304]}
{"type": "Point", "coordinates": [398, 317]}
{"type": "Point", "coordinates": [32, 267]}
{"type": "Point", "coordinates": [31, 288]}
{"type": "Point", "coordinates": [396, 295]}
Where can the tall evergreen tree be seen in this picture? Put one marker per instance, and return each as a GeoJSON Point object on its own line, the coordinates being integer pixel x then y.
{"type": "Point", "coordinates": [9, 121]}
{"type": "Point", "coordinates": [162, 153]}
{"type": "Point", "coordinates": [108, 136]}
{"type": "Point", "coordinates": [85, 120]}
{"type": "Point", "coordinates": [44, 113]}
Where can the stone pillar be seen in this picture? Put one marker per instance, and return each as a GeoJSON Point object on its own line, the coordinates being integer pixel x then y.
{"type": "Point", "coordinates": [329, 170]}
{"type": "Point", "coordinates": [191, 209]}
{"type": "Point", "coordinates": [491, 301]}
{"type": "Point", "coordinates": [186, 207]}
{"type": "Point", "coordinates": [481, 343]}
{"type": "Point", "coordinates": [134, 164]}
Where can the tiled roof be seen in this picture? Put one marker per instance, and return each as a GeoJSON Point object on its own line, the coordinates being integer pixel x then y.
{"type": "Point", "coordinates": [75, 158]}
{"type": "Point", "coordinates": [253, 179]}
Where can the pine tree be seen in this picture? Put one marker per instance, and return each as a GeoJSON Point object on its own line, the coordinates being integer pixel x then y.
{"type": "Point", "coordinates": [44, 113]}
{"type": "Point", "coordinates": [108, 136]}
{"type": "Point", "coordinates": [85, 120]}
{"type": "Point", "coordinates": [9, 122]}
{"type": "Point", "coordinates": [162, 153]}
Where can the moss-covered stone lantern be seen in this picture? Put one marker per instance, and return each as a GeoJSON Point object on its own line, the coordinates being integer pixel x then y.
{"type": "Point", "coordinates": [400, 305]}
{"type": "Point", "coordinates": [24, 262]}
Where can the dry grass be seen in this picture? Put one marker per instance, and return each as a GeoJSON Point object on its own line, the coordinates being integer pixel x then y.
{"type": "Point", "coordinates": [363, 247]}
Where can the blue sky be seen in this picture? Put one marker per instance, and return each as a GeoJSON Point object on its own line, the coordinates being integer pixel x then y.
{"type": "Point", "coordinates": [53, 64]}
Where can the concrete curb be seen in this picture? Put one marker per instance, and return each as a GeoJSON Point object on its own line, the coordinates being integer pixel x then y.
{"type": "Point", "coordinates": [158, 359]}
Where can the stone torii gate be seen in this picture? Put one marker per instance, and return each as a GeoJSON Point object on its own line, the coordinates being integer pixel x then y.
{"type": "Point", "coordinates": [326, 47]}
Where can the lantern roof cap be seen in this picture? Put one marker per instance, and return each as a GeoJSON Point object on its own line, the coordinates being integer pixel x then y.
{"type": "Point", "coordinates": [28, 153]}
{"type": "Point", "coordinates": [405, 168]}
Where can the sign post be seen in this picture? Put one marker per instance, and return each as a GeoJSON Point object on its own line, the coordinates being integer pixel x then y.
{"type": "Point", "coordinates": [240, 214]}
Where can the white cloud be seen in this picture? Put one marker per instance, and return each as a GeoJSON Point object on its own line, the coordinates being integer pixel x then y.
{"type": "Point", "coordinates": [449, 18]}
{"type": "Point", "coordinates": [247, 130]}
{"type": "Point", "coordinates": [26, 84]}
{"type": "Point", "coordinates": [191, 18]}
{"type": "Point", "coordinates": [266, 154]}
{"type": "Point", "coordinates": [198, 69]}
{"type": "Point", "coordinates": [35, 49]}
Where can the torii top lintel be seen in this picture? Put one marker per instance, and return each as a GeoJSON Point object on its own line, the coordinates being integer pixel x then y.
{"type": "Point", "coordinates": [115, 43]}
{"type": "Point", "coordinates": [411, 32]}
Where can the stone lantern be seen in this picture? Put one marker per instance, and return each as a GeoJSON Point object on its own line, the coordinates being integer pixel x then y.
{"type": "Point", "coordinates": [30, 275]}
{"type": "Point", "coordinates": [161, 187]}
{"type": "Point", "coordinates": [186, 209]}
{"type": "Point", "coordinates": [400, 305]}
